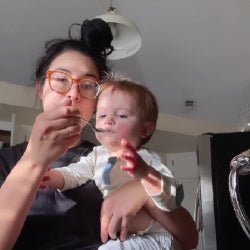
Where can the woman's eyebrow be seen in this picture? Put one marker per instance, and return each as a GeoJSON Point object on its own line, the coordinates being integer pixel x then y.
{"type": "Point", "coordinates": [91, 75]}
{"type": "Point", "coordinates": [64, 70]}
{"type": "Point", "coordinates": [69, 72]}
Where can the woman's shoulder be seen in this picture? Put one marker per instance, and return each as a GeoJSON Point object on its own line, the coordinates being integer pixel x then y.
{"type": "Point", "coordinates": [83, 149]}
{"type": "Point", "coordinates": [86, 145]}
{"type": "Point", "coordinates": [9, 156]}
{"type": "Point", "coordinates": [13, 153]}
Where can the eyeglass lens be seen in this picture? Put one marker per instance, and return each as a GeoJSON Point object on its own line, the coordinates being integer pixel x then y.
{"type": "Point", "coordinates": [62, 83]}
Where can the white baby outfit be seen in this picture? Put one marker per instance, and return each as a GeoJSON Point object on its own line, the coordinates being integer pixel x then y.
{"type": "Point", "coordinates": [91, 168]}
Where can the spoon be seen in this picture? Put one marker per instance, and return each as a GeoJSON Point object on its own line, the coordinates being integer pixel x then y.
{"type": "Point", "coordinates": [97, 130]}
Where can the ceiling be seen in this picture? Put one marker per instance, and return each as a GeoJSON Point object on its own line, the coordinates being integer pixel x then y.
{"type": "Point", "coordinates": [192, 50]}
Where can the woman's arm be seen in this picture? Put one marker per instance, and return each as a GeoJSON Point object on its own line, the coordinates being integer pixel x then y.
{"type": "Point", "coordinates": [52, 134]}
{"type": "Point", "coordinates": [179, 222]}
{"type": "Point", "coordinates": [121, 206]}
{"type": "Point", "coordinates": [16, 196]}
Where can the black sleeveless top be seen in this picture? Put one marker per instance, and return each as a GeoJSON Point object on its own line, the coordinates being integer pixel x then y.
{"type": "Point", "coordinates": [67, 220]}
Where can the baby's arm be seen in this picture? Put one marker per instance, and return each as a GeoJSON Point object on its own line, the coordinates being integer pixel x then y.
{"type": "Point", "coordinates": [165, 191]}
{"type": "Point", "coordinates": [53, 179]}
{"type": "Point", "coordinates": [139, 169]}
{"type": "Point", "coordinates": [71, 176]}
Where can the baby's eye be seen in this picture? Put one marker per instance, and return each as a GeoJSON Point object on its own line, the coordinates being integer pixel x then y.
{"type": "Point", "coordinates": [122, 116]}
{"type": "Point", "coordinates": [101, 116]}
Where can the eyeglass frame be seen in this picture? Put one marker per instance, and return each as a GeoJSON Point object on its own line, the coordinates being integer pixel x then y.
{"type": "Point", "coordinates": [77, 81]}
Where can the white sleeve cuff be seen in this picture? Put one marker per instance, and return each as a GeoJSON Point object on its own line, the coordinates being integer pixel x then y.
{"type": "Point", "coordinates": [171, 194]}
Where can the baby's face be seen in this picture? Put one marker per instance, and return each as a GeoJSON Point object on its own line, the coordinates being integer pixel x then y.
{"type": "Point", "coordinates": [118, 113]}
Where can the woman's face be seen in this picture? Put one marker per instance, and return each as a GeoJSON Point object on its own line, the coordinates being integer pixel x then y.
{"type": "Point", "coordinates": [78, 66]}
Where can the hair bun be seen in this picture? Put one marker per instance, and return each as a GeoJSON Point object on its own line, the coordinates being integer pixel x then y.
{"type": "Point", "coordinates": [97, 35]}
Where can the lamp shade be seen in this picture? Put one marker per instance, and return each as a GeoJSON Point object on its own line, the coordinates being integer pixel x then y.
{"type": "Point", "coordinates": [126, 36]}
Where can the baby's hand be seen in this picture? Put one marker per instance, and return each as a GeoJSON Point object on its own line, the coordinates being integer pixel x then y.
{"type": "Point", "coordinates": [135, 166]}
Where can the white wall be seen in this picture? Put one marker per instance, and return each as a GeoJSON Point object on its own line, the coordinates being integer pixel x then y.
{"type": "Point", "coordinates": [19, 95]}
{"type": "Point", "coordinates": [24, 119]}
{"type": "Point", "coordinates": [24, 103]}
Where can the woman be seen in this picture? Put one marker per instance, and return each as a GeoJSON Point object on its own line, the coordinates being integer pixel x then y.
{"type": "Point", "coordinates": [69, 220]}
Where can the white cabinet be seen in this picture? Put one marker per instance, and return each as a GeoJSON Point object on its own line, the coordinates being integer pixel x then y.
{"type": "Point", "coordinates": [185, 168]}
{"type": "Point", "coordinates": [183, 165]}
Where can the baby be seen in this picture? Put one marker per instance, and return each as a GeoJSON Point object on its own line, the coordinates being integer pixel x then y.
{"type": "Point", "coordinates": [128, 112]}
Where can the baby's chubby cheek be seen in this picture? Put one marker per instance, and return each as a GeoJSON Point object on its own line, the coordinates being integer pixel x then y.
{"type": "Point", "coordinates": [98, 137]}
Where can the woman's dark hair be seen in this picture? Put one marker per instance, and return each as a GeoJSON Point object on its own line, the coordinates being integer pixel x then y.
{"type": "Point", "coordinates": [94, 42]}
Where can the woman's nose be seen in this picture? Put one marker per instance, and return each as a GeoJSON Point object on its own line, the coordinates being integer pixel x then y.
{"type": "Point", "coordinates": [74, 93]}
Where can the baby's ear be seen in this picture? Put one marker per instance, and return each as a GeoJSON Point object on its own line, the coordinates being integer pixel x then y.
{"type": "Point", "coordinates": [147, 129]}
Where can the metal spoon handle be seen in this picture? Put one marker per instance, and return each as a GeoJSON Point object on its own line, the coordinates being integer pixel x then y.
{"type": "Point", "coordinates": [97, 130]}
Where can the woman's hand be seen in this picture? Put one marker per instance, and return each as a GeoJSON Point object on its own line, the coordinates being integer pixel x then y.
{"type": "Point", "coordinates": [119, 209]}
{"type": "Point", "coordinates": [53, 133]}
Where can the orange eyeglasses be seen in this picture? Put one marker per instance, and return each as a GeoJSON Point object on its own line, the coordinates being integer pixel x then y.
{"type": "Point", "coordinates": [61, 82]}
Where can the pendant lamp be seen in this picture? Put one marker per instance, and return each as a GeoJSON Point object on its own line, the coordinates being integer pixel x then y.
{"type": "Point", "coordinates": [126, 36]}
